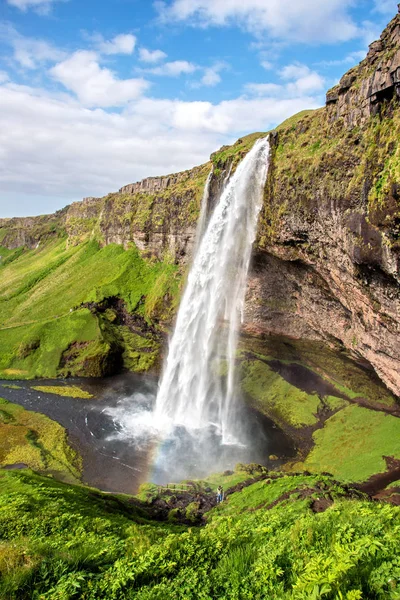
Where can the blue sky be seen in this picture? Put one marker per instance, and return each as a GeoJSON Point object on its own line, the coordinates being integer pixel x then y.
{"type": "Point", "coordinates": [96, 94]}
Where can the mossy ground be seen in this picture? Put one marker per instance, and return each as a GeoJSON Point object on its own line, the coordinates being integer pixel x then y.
{"type": "Point", "coordinates": [283, 401]}
{"type": "Point", "coordinates": [232, 155]}
{"type": "Point", "coordinates": [353, 442]}
{"type": "Point", "coordinates": [71, 542]}
{"type": "Point", "coordinates": [70, 391]}
{"type": "Point", "coordinates": [37, 441]}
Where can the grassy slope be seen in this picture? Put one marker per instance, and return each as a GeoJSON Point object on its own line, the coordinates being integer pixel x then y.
{"type": "Point", "coordinates": [351, 440]}
{"type": "Point", "coordinates": [40, 287]}
{"type": "Point", "coordinates": [37, 441]}
{"type": "Point", "coordinates": [70, 542]}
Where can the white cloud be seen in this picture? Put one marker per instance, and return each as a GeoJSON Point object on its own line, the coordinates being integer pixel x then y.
{"type": "Point", "coordinates": [266, 65]}
{"type": "Point", "coordinates": [211, 75]}
{"type": "Point", "coordinates": [294, 71]}
{"type": "Point", "coordinates": [301, 20]}
{"type": "Point", "coordinates": [299, 80]}
{"type": "Point", "coordinates": [174, 68]}
{"type": "Point", "coordinates": [265, 89]}
{"type": "Point", "coordinates": [350, 59]}
{"type": "Point", "coordinates": [53, 147]}
{"type": "Point", "coordinates": [387, 7]}
{"type": "Point", "coordinates": [124, 43]}
{"type": "Point", "coordinates": [307, 84]}
{"type": "Point", "coordinates": [3, 76]}
{"type": "Point", "coordinates": [41, 6]}
{"type": "Point", "coordinates": [94, 85]}
{"type": "Point", "coordinates": [151, 56]}
{"type": "Point", "coordinates": [30, 53]}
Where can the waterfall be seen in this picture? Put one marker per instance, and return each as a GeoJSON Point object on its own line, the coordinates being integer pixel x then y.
{"type": "Point", "coordinates": [192, 393]}
{"type": "Point", "coordinates": [203, 211]}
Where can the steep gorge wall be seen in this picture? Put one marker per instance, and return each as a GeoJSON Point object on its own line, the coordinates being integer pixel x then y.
{"type": "Point", "coordinates": [158, 215]}
{"type": "Point", "coordinates": [328, 260]}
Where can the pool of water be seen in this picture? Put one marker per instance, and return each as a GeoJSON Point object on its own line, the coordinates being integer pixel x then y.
{"type": "Point", "coordinates": [120, 452]}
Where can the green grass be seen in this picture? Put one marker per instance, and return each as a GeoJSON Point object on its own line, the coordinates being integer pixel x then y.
{"type": "Point", "coordinates": [352, 444]}
{"type": "Point", "coordinates": [71, 542]}
{"type": "Point", "coordinates": [334, 366]}
{"type": "Point", "coordinates": [278, 398]}
{"type": "Point", "coordinates": [48, 282]}
{"type": "Point", "coordinates": [40, 299]}
{"type": "Point", "coordinates": [291, 122]}
{"type": "Point", "coordinates": [37, 441]}
{"type": "Point", "coordinates": [47, 340]}
{"type": "Point", "coordinates": [71, 391]}
{"type": "Point", "coordinates": [11, 386]}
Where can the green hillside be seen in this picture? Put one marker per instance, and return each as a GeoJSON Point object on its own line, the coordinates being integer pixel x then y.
{"type": "Point", "coordinates": [55, 316]}
{"type": "Point", "coordinates": [300, 537]}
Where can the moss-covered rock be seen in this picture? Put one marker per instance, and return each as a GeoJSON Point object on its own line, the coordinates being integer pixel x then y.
{"type": "Point", "coordinates": [31, 439]}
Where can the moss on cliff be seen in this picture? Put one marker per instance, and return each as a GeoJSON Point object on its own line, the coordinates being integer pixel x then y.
{"type": "Point", "coordinates": [308, 156]}
{"type": "Point", "coordinates": [318, 163]}
{"type": "Point", "coordinates": [382, 162]}
{"type": "Point", "coordinates": [30, 230]}
{"type": "Point", "coordinates": [232, 155]}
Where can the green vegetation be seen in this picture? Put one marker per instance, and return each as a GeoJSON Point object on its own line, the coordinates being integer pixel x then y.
{"type": "Point", "coordinates": [278, 398]}
{"type": "Point", "coordinates": [334, 366]}
{"type": "Point", "coordinates": [382, 159]}
{"type": "Point", "coordinates": [353, 442]}
{"type": "Point", "coordinates": [11, 386]}
{"type": "Point", "coordinates": [291, 122]}
{"type": "Point", "coordinates": [71, 391]}
{"type": "Point", "coordinates": [71, 542]}
{"type": "Point", "coordinates": [44, 227]}
{"type": "Point", "coordinates": [346, 439]}
{"type": "Point", "coordinates": [47, 331]}
{"type": "Point", "coordinates": [37, 441]}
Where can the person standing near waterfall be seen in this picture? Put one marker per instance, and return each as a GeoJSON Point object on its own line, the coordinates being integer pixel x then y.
{"type": "Point", "coordinates": [220, 494]}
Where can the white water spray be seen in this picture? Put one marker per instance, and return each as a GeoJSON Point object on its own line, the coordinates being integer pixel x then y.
{"type": "Point", "coordinates": [192, 393]}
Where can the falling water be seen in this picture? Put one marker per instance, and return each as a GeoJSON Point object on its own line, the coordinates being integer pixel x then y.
{"type": "Point", "coordinates": [201, 224]}
{"type": "Point", "coordinates": [192, 392]}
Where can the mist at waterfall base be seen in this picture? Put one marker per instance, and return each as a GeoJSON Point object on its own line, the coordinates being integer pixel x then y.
{"type": "Point", "coordinates": [197, 422]}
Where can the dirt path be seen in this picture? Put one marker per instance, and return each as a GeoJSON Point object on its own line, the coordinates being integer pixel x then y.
{"type": "Point", "coordinates": [376, 485]}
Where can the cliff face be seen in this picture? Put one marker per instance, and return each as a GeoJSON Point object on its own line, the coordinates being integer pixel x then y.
{"type": "Point", "coordinates": [29, 231]}
{"type": "Point", "coordinates": [158, 215]}
{"type": "Point", "coordinates": [328, 257]}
